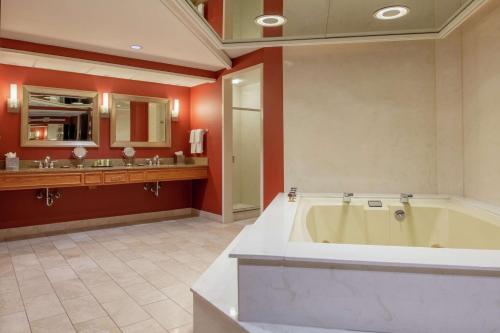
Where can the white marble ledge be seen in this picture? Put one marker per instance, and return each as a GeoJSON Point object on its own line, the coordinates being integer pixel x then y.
{"type": "Point", "coordinates": [218, 285]}
{"type": "Point", "coordinates": [269, 239]}
{"type": "Point", "coordinates": [273, 328]}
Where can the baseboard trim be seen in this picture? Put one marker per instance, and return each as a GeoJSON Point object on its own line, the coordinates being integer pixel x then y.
{"type": "Point", "coordinates": [79, 225]}
{"type": "Point", "coordinates": [208, 215]}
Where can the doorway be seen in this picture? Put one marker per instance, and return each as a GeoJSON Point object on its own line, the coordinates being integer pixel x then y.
{"type": "Point", "coordinates": [242, 144]}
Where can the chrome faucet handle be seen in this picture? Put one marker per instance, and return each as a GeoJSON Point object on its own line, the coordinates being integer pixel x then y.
{"type": "Point", "coordinates": [347, 197]}
{"type": "Point", "coordinates": [292, 194]}
{"type": "Point", "coordinates": [40, 164]}
{"type": "Point", "coordinates": [405, 196]}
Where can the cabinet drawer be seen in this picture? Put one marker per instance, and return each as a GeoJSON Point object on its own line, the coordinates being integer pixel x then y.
{"type": "Point", "coordinates": [115, 177]}
{"type": "Point", "coordinates": [39, 180]}
{"type": "Point", "coordinates": [93, 178]}
{"type": "Point", "coordinates": [136, 176]}
{"type": "Point", "coordinates": [177, 174]}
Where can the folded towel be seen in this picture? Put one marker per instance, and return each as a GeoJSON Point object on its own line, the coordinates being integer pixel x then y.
{"type": "Point", "coordinates": [191, 136]}
{"type": "Point", "coordinates": [196, 141]}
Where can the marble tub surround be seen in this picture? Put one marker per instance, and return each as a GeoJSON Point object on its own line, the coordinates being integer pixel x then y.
{"type": "Point", "coordinates": [117, 163]}
{"type": "Point", "coordinates": [215, 304]}
{"type": "Point", "coordinates": [364, 287]}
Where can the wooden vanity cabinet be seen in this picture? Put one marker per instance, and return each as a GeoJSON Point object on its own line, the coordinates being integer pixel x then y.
{"type": "Point", "coordinates": [58, 179]}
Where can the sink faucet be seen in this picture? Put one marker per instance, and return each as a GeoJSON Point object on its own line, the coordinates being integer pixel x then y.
{"type": "Point", "coordinates": [156, 160]}
{"type": "Point", "coordinates": [405, 197]}
{"type": "Point", "coordinates": [46, 163]}
{"type": "Point", "coordinates": [347, 197]}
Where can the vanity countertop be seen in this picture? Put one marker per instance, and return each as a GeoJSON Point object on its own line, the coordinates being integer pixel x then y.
{"type": "Point", "coordinates": [28, 166]}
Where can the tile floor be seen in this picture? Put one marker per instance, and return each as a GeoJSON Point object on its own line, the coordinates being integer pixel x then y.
{"type": "Point", "coordinates": [123, 279]}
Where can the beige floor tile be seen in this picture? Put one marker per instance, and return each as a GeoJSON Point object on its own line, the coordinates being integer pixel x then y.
{"type": "Point", "coordinates": [6, 268]}
{"type": "Point", "coordinates": [180, 294]}
{"type": "Point", "coordinates": [154, 262]}
{"type": "Point", "coordinates": [108, 292]}
{"type": "Point", "coordinates": [142, 266]}
{"type": "Point", "coordinates": [125, 312]}
{"type": "Point", "coordinates": [98, 325]}
{"type": "Point", "coordinates": [183, 329]}
{"type": "Point", "coordinates": [8, 284]}
{"type": "Point", "coordinates": [62, 273]}
{"type": "Point", "coordinates": [30, 274]}
{"type": "Point", "coordinates": [168, 314]}
{"type": "Point", "coordinates": [10, 303]}
{"type": "Point", "coordinates": [81, 263]}
{"type": "Point", "coordinates": [14, 323]}
{"type": "Point", "coordinates": [37, 287]}
{"type": "Point", "coordinates": [160, 279]}
{"type": "Point", "coordinates": [56, 324]}
{"type": "Point", "coordinates": [83, 308]}
{"type": "Point", "coordinates": [52, 261]}
{"type": "Point", "coordinates": [93, 276]}
{"type": "Point", "coordinates": [25, 261]}
{"type": "Point", "coordinates": [144, 293]}
{"type": "Point", "coordinates": [150, 326]}
{"type": "Point", "coordinates": [44, 306]}
{"type": "Point", "coordinates": [69, 289]}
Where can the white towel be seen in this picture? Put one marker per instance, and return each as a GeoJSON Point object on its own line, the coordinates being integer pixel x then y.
{"type": "Point", "coordinates": [196, 141]}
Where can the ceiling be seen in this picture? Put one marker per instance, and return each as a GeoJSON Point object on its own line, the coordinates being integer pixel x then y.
{"type": "Point", "coordinates": [110, 27]}
{"type": "Point", "coordinates": [37, 60]}
{"type": "Point", "coordinates": [330, 19]}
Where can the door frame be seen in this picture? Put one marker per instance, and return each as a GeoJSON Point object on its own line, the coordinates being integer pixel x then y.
{"type": "Point", "coordinates": [227, 141]}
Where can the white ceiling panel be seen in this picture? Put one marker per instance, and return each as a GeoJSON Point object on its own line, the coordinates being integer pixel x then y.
{"type": "Point", "coordinates": [110, 27]}
{"type": "Point", "coordinates": [36, 60]}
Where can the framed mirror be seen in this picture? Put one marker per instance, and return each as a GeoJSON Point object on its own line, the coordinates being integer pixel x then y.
{"type": "Point", "coordinates": [53, 117]}
{"type": "Point", "coordinates": [138, 121]}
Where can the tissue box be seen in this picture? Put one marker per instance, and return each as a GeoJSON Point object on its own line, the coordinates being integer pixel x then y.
{"type": "Point", "coordinates": [12, 163]}
{"type": "Point", "coordinates": [180, 159]}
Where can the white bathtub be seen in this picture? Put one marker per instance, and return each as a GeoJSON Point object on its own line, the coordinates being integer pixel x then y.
{"type": "Point", "coordinates": [437, 223]}
{"type": "Point", "coordinates": [322, 263]}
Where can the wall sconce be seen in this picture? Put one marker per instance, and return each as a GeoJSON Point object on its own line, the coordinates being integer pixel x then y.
{"type": "Point", "coordinates": [175, 110]}
{"type": "Point", "coordinates": [105, 105]}
{"type": "Point", "coordinates": [12, 101]}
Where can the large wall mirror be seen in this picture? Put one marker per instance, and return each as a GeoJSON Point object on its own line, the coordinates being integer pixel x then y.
{"type": "Point", "coordinates": [53, 117]}
{"type": "Point", "coordinates": [138, 121]}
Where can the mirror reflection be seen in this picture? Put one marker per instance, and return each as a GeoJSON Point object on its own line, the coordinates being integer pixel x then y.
{"type": "Point", "coordinates": [330, 18]}
{"type": "Point", "coordinates": [59, 117]}
{"type": "Point", "coordinates": [140, 121]}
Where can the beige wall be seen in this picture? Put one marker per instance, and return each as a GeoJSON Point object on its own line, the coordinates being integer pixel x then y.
{"type": "Point", "coordinates": [449, 118]}
{"type": "Point", "coordinates": [481, 104]}
{"type": "Point", "coordinates": [412, 116]}
{"type": "Point", "coordinates": [361, 117]}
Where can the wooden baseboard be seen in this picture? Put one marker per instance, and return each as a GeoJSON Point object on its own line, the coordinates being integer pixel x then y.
{"type": "Point", "coordinates": [102, 222]}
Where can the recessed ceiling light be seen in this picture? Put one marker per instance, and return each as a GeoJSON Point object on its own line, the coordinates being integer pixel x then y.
{"type": "Point", "coordinates": [236, 81]}
{"type": "Point", "coordinates": [270, 20]}
{"type": "Point", "coordinates": [136, 47]}
{"type": "Point", "coordinates": [391, 13]}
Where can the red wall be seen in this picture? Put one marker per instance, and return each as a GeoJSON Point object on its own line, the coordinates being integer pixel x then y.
{"type": "Point", "coordinates": [80, 203]}
{"type": "Point", "coordinates": [214, 10]}
{"type": "Point", "coordinates": [206, 112]}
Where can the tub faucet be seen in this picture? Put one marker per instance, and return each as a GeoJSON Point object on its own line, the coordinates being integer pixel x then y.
{"type": "Point", "coordinates": [347, 197]}
{"type": "Point", "coordinates": [405, 197]}
{"type": "Point", "coordinates": [292, 194]}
